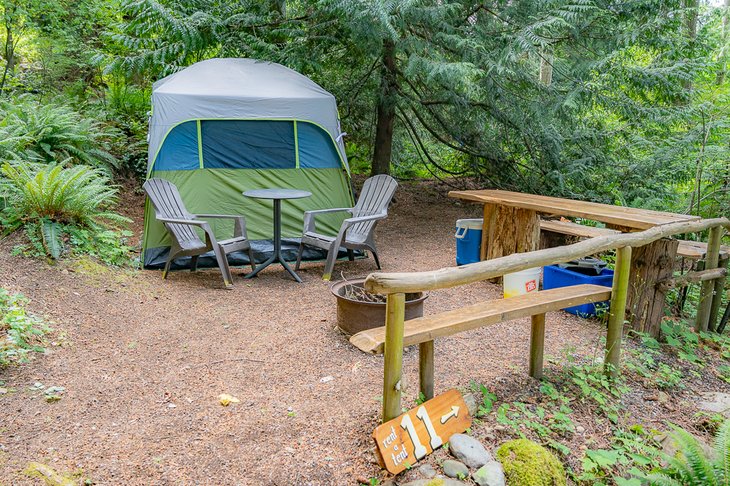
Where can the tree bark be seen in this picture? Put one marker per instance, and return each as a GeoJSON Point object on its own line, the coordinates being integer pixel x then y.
{"type": "Point", "coordinates": [546, 68]}
{"type": "Point", "coordinates": [692, 7]}
{"type": "Point", "coordinates": [723, 57]}
{"type": "Point", "coordinates": [691, 20]}
{"type": "Point", "coordinates": [512, 230]}
{"type": "Point", "coordinates": [9, 56]}
{"type": "Point", "coordinates": [650, 264]}
{"type": "Point", "coordinates": [386, 111]}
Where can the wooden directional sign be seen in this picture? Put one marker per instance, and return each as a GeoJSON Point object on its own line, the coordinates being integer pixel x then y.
{"type": "Point", "coordinates": [410, 437]}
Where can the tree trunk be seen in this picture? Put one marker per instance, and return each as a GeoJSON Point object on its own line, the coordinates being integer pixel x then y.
{"type": "Point", "coordinates": [645, 304]}
{"type": "Point", "coordinates": [9, 56]}
{"type": "Point", "coordinates": [692, 7]}
{"type": "Point", "coordinates": [546, 68]}
{"type": "Point", "coordinates": [386, 111]}
{"type": "Point", "coordinates": [512, 230]}
{"type": "Point", "coordinates": [723, 57]}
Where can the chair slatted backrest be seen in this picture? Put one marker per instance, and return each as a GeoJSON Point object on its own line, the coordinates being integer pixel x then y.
{"type": "Point", "coordinates": [167, 203]}
{"type": "Point", "coordinates": [375, 197]}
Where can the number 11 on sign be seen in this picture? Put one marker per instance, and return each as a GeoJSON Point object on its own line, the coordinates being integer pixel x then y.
{"type": "Point", "coordinates": [434, 440]}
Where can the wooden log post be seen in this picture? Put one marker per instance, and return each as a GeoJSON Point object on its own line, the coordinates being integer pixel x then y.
{"type": "Point", "coordinates": [717, 298]}
{"type": "Point", "coordinates": [537, 345]}
{"type": "Point", "coordinates": [617, 311]}
{"type": "Point", "coordinates": [395, 307]}
{"type": "Point", "coordinates": [487, 223]}
{"type": "Point", "coordinates": [704, 308]}
{"type": "Point", "coordinates": [512, 230]}
{"type": "Point", "coordinates": [425, 368]}
{"type": "Point", "coordinates": [650, 264]}
{"type": "Point", "coordinates": [725, 317]}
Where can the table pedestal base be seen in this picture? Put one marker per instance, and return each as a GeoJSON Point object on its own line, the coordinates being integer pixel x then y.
{"type": "Point", "coordinates": [276, 257]}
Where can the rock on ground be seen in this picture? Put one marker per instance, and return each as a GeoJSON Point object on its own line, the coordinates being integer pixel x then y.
{"type": "Point", "coordinates": [454, 468]}
{"type": "Point", "coordinates": [427, 471]}
{"type": "Point", "coordinates": [434, 482]}
{"type": "Point", "coordinates": [716, 402]}
{"type": "Point", "coordinates": [491, 474]}
{"type": "Point", "coordinates": [471, 404]}
{"type": "Point", "coordinates": [469, 451]}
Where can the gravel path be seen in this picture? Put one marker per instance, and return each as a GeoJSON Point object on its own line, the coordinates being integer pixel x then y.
{"type": "Point", "coordinates": [144, 360]}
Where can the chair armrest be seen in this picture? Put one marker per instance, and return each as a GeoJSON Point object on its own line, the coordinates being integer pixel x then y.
{"type": "Point", "coordinates": [333, 210]}
{"type": "Point", "coordinates": [239, 228]}
{"type": "Point", "coordinates": [309, 216]}
{"type": "Point", "coordinates": [192, 222]}
{"type": "Point", "coordinates": [360, 219]}
{"type": "Point", "coordinates": [217, 216]}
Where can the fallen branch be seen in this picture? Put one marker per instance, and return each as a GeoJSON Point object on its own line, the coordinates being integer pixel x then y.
{"type": "Point", "coordinates": [203, 365]}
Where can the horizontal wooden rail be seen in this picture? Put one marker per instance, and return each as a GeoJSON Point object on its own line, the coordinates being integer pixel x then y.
{"type": "Point", "coordinates": [390, 283]}
{"type": "Point", "coordinates": [692, 277]}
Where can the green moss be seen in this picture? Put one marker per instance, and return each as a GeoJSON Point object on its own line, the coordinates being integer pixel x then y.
{"type": "Point", "coordinates": [48, 474]}
{"type": "Point", "coordinates": [436, 482]}
{"type": "Point", "coordinates": [87, 266]}
{"type": "Point", "coordinates": [527, 463]}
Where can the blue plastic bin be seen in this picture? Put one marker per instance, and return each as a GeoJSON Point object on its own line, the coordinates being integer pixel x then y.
{"type": "Point", "coordinates": [554, 277]}
{"type": "Point", "coordinates": [468, 240]}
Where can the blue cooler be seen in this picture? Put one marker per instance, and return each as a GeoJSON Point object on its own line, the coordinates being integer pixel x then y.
{"type": "Point", "coordinates": [468, 240]}
{"type": "Point", "coordinates": [553, 277]}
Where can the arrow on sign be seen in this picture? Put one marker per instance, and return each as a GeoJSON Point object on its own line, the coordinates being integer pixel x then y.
{"type": "Point", "coordinates": [453, 413]}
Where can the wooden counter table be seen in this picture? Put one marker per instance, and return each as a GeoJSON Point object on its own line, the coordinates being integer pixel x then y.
{"type": "Point", "coordinates": [512, 225]}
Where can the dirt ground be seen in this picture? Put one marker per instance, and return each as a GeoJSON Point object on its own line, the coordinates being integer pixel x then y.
{"type": "Point", "coordinates": [143, 362]}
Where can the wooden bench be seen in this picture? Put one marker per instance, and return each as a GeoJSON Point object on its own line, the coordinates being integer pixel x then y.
{"type": "Point", "coordinates": [424, 330]}
{"type": "Point", "coordinates": [694, 250]}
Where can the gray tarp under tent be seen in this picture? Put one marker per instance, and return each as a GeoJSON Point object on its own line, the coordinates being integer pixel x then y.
{"type": "Point", "coordinates": [224, 126]}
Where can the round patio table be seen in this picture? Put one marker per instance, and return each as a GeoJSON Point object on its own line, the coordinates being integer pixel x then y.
{"type": "Point", "coordinates": [276, 195]}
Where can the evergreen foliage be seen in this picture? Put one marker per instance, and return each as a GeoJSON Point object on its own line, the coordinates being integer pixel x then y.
{"type": "Point", "coordinates": [50, 132]}
{"type": "Point", "coordinates": [692, 464]}
{"type": "Point", "coordinates": [613, 102]}
{"type": "Point", "coordinates": [45, 198]}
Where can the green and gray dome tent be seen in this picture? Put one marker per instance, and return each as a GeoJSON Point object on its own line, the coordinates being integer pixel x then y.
{"type": "Point", "coordinates": [224, 126]}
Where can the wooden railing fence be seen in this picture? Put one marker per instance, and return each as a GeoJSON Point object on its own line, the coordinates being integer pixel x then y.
{"type": "Point", "coordinates": [396, 285]}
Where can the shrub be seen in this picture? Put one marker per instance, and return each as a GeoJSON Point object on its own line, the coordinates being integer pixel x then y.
{"type": "Point", "coordinates": [53, 202]}
{"type": "Point", "coordinates": [527, 463]}
{"type": "Point", "coordinates": [21, 331]}
{"type": "Point", "coordinates": [35, 132]}
{"type": "Point", "coordinates": [692, 465]}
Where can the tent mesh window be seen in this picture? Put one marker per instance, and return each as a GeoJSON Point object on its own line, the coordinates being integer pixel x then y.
{"type": "Point", "coordinates": [316, 148]}
{"type": "Point", "coordinates": [180, 149]}
{"type": "Point", "coordinates": [248, 144]}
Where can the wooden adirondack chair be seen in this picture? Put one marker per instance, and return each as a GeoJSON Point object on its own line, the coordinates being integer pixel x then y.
{"type": "Point", "coordinates": [357, 232]}
{"type": "Point", "coordinates": [170, 210]}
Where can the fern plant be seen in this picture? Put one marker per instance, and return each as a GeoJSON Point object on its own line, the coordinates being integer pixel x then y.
{"type": "Point", "coordinates": [52, 132]}
{"type": "Point", "coordinates": [692, 465]}
{"type": "Point", "coordinates": [47, 197]}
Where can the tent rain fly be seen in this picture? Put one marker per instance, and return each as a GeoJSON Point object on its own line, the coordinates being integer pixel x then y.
{"type": "Point", "coordinates": [224, 126]}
